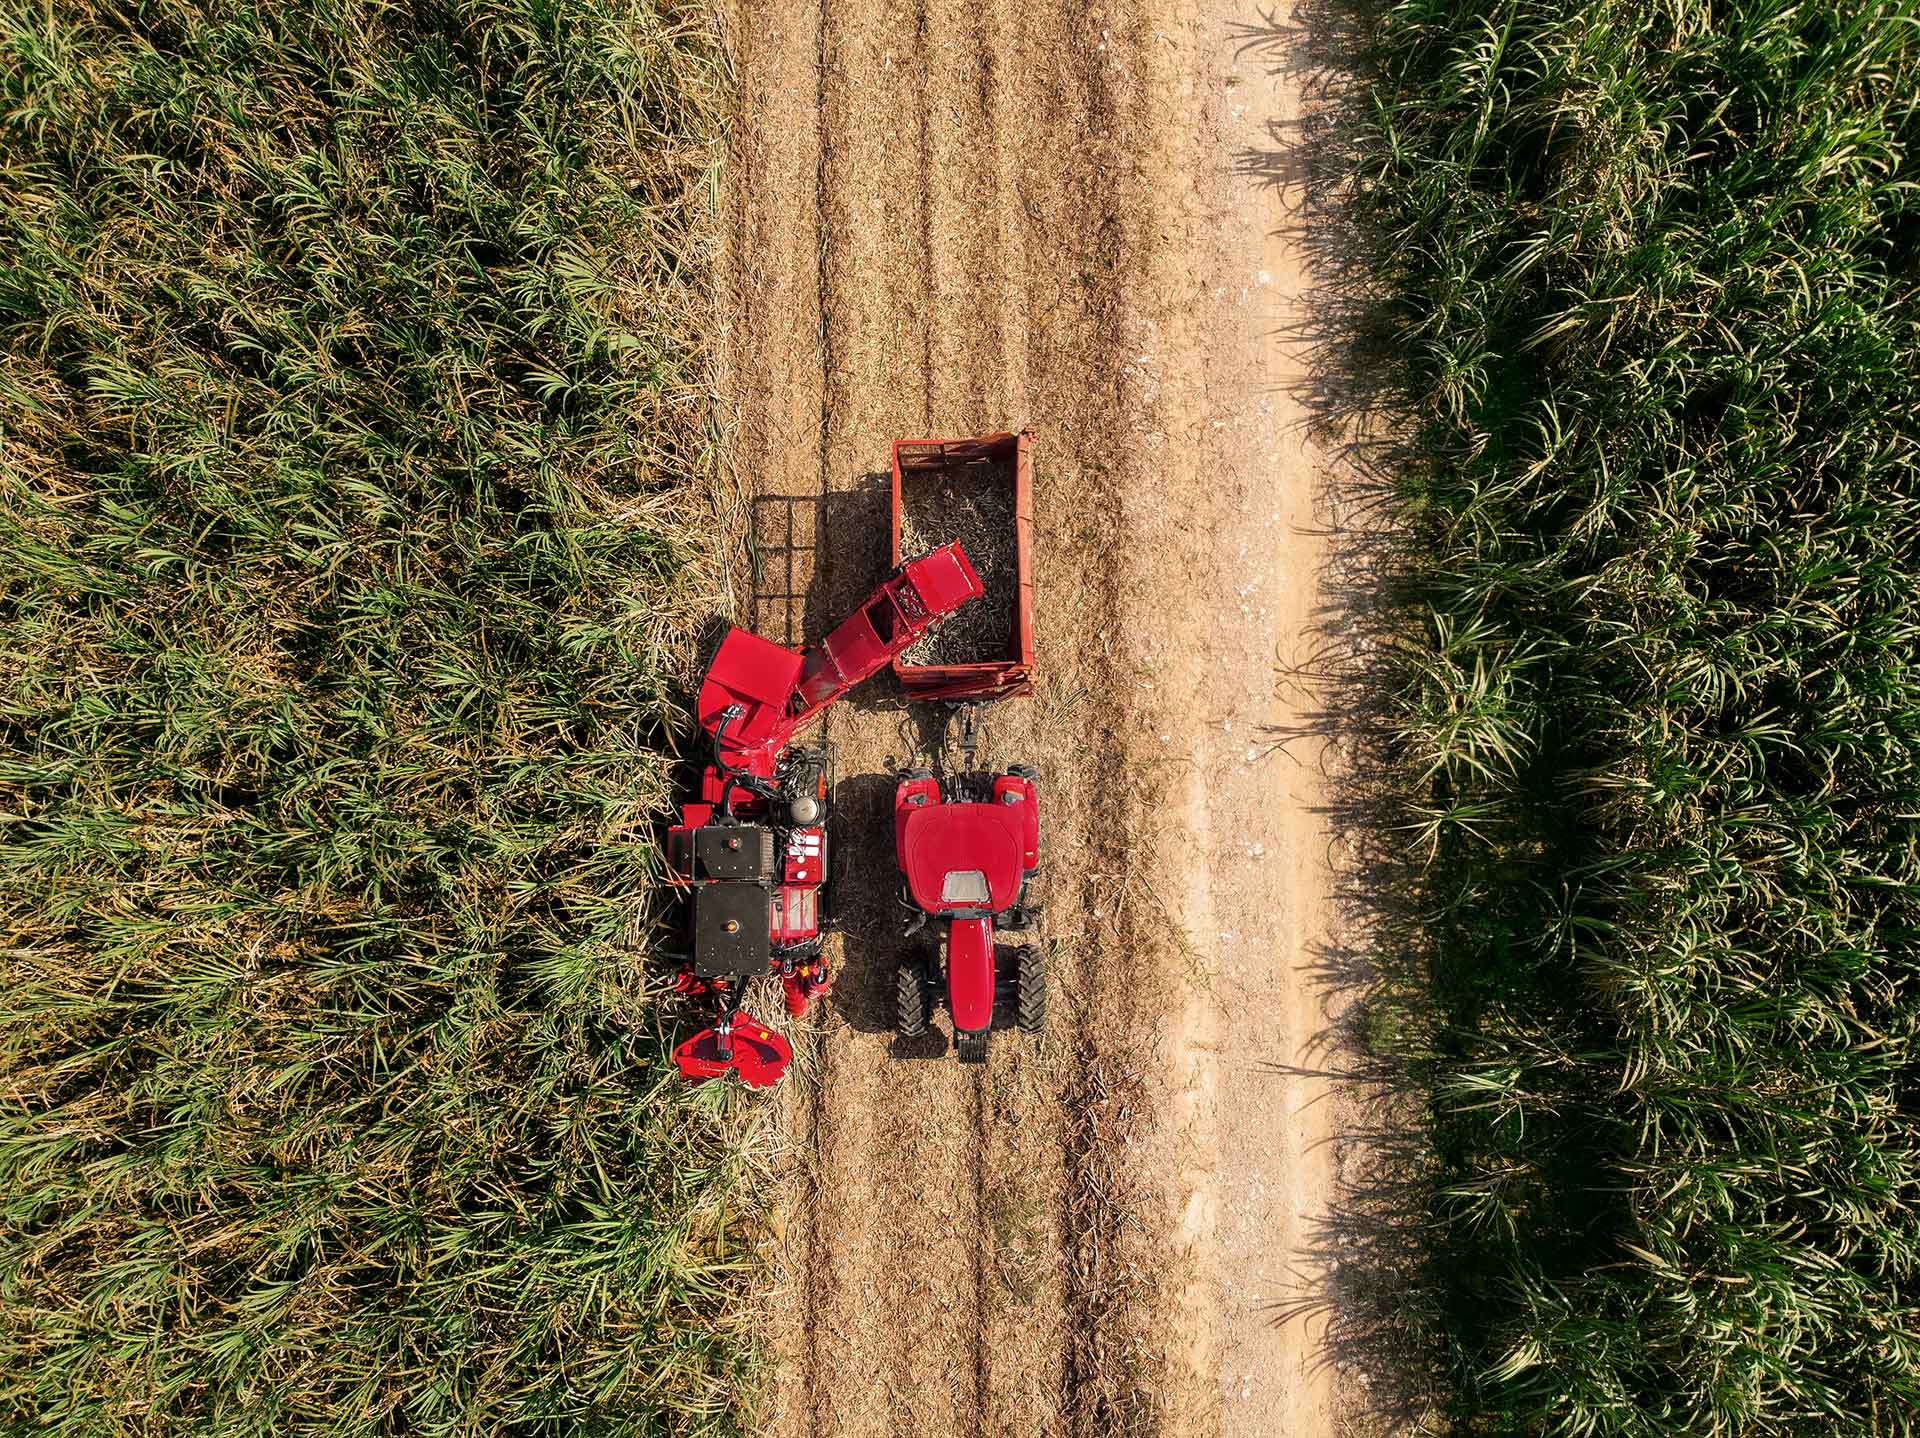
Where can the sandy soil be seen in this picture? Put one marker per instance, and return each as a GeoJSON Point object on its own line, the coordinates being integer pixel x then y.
{"type": "Point", "coordinates": [959, 216]}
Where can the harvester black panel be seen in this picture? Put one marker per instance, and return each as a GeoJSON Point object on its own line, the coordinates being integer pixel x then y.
{"type": "Point", "coordinates": [735, 851]}
{"type": "Point", "coordinates": [730, 930]}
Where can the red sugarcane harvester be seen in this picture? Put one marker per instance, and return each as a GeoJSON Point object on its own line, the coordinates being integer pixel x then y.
{"type": "Point", "coordinates": [750, 855]}
{"type": "Point", "coordinates": [751, 852]}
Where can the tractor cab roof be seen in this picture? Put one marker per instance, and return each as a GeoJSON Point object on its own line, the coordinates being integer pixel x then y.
{"type": "Point", "coordinates": [962, 856]}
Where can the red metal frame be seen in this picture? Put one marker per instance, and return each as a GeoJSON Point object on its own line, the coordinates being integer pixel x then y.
{"type": "Point", "coordinates": [996, 678]}
{"type": "Point", "coordinates": [739, 1045]}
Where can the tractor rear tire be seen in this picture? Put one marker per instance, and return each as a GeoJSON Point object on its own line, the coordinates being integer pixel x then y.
{"type": "Point", "coordinates": [1033, 991]}
{"type": "Point", "coordinates": [910, 1001]}
{"type": "Point", "coordinates": [970, 1048]}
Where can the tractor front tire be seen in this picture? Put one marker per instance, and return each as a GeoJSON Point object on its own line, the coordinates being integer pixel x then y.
{"type": "Point", "coordinates": [1033, 991]}
{"type": "Point", "coordinates": [910, 1001]}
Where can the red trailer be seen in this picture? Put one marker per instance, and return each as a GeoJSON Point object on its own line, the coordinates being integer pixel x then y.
{"type": "Point", "coordinates": [1000, 468]}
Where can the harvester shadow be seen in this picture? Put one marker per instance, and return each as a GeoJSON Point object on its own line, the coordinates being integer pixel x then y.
{"type": "Point", "coordinates": [870, 921]}
{"type": "Point", "coordinates": [856, 538]}
{"type": "Point", "coordinates": [782, 532]}
{"type": "Point", "coordinates": [814, 556]}
{"type": "Point", "coordinates": [708, 637]}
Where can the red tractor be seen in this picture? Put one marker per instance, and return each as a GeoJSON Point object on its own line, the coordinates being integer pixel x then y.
{"type": "Point", "coordinates": [750, 854]}
{"type": "Point", "coordinates": [968, 851]}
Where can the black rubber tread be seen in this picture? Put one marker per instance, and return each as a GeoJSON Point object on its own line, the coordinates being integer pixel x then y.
{"type": "Point", "coordinates": [970, 1048]}
{"type": "Point", "coordinates": [1033, 991]}
{"type": "Point", "coordinates": [909, 1001]}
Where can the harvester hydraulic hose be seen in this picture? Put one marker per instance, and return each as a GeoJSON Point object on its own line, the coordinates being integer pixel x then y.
{"type": "Point", "coordinates": [749, 782]}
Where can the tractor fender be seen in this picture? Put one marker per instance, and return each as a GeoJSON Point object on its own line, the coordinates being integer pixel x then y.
{"type": "Point", "coordinates": [970, 973]}
{"type": "Point", "coordinates": [916, 790]}
{"type": "Point", "coordinates": [1017, 789]}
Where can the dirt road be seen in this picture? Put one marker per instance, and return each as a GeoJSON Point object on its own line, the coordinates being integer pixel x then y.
{"type": "Point", "coordinates": [955, 216]}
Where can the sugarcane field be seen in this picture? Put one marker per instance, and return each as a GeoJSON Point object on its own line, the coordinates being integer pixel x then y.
{"type": "Point", "coordinates": [1122, 719]}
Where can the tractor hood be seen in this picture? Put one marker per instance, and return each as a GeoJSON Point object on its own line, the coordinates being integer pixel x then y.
{"type": "Point", "coordinates": [963, 856]}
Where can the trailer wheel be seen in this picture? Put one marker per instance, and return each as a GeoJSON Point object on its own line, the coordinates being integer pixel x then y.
{"type": "Point", "coordinates": [970, 1048]}
{"type": "Point", "coordinates": [1033, 991]}
{"type": "Point", "coordinates": [910, 1000]}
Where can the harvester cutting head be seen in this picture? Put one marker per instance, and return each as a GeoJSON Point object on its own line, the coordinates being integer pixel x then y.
{"type": "Point", "coordinates": [751, 854]}
{"type": "Point", "coordinates": [739, 1044]}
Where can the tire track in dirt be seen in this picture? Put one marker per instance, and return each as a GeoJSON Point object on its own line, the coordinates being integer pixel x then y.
{"type": "Point", "coordinates": [905, 1350]}
{"type": "Point", "coordinates": [945, 218]}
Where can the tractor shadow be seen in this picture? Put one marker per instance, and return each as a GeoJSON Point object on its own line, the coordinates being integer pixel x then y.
{"type": "Point", "coordinates": [870, 919]}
